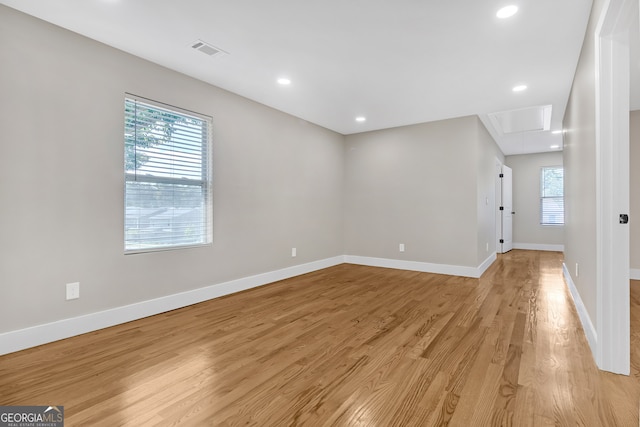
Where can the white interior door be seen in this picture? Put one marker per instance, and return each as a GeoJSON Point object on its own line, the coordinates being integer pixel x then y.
{"type": "Point", "coordinates": [498, 203]}
{"type": "Point", "coordinates": [506, 208]}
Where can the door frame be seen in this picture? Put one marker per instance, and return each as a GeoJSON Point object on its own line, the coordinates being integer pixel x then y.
{"type": "Point", "coordinates": [498, 199]}
{"type": "Point", "coordinates": [508, 213]}
{"type": "Point", "coordinates": [613, 322]}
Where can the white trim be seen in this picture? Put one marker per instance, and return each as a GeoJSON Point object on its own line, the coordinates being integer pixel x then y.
{"type": "Point", "coordinates": [486, 264]}
{"type": "Point", "coordinates": [587, 325]}
{"type": "Point", "coordinates": [612, 185]}
{"type": "Point", "coordinates": [425, 267]}
{"type": "Point", "coordinates": [498, 202]}
{"type": "Point", "coordinates": [538, 247]}
{"type": "Point", "coordinates": [54, 331]}
{"type": "Point", "coordinates": [506, 214]}
{"type": "Point", "coordinates": [634, 274]}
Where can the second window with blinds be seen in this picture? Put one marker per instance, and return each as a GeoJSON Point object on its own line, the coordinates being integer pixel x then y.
{"type": "Point", "coordinates": [168, 201]}
{"type": "Point", "coordinates": [552, 195]}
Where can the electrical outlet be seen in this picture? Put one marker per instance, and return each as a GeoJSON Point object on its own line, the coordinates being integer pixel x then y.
{"type": "Point", "coordinates": [73, 290]}
{"type": "Point", "coordinates": [577, 271]}
{"type": "Point", "coordinates": [294, 252]}
{"type": "Point", "coordinates": [401, 247]}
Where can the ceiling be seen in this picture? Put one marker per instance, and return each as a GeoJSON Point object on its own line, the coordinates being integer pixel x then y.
{"type": "Point", "coordinates": [394, 62]}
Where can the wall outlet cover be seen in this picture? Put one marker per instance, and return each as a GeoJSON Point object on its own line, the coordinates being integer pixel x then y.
{"type": "Point", "coordinates": [73, 290]}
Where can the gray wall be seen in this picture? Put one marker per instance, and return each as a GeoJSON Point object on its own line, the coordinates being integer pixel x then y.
{"type": "Point", "coordinates": [277, 180]}
{"type": "Point", "coordinates": [579, 171]}
{"type": "Point", "coordinates": [526, 200]}
{"type": "Point", "coordinates": [425, 186]}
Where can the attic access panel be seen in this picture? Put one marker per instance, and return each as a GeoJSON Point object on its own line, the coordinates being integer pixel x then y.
{"type": "Point", "coordinates": [531, 119]}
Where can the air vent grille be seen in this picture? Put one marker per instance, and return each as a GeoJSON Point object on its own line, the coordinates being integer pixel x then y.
{"type": "Point", "coordinates": [207, 49]}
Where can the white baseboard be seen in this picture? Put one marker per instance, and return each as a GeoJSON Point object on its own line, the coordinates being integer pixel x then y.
{"type": "Point", "coordinates": [54, 331]}
{"type": "Point", "coordinates": [487, 263]}
{"type": "Point", "coordinates": [589, 330]}
{"type": "Point", "coordinates": [49, 332]}
{"type": "Point", "coordinates": [634, 274]}
{"type": "Point", "coordinates": [425, 267]}
{"type": "Point", "coordinates": [538, 247]}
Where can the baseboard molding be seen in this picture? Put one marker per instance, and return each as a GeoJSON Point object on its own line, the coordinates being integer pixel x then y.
{"type": "Point", "coordinates": [538, 247]}
{"type": "Point", "coordinates": [589, 330]}
{"type": "Point", "coordinates": [49, 332]}
{"type": "Point", "coordinates": [486, 264]}
{"type": "Point", "coordinates": [634, 274]}
{"type": "Point", "coordinates": [425, 267]}
{"type": "Point", "coordinates": [54, 331]}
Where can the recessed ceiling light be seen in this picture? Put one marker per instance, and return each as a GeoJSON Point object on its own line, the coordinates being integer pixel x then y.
{"type": "Point", "coordinates": [507, 11]}
{"type": "Point", "coordinates": [284, 81]}
{"type": "Point", "coordinates": [556, 132]}
{"type": "Point", "coordinates": [519, 88]}
{"type": "Point", "coordinates": [555, 147]}
{"type": "Point", "coordinates": [361, 119]}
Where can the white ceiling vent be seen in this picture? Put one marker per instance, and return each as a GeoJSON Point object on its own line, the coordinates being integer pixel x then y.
{"type": "Point", "coordinates": [207, 49]}
{"type": "Point", "coordinates": [530, 119]}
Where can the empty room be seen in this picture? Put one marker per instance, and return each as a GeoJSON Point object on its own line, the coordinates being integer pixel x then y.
{"type": "Point", "coordinates": [338, 213]}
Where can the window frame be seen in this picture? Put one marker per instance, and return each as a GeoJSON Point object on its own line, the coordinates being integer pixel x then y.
{"type": "Point", "coordinates": [543, 197]}
{"type": "Point", "coordinates": [204, 183]}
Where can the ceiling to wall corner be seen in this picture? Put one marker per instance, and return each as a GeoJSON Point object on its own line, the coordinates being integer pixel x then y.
{"type": "Point", "coordinates": [386, 63]}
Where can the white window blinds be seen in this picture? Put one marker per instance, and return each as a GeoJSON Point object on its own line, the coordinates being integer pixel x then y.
{"type": "Point", "coordinates": [552, 196]}
{"type": "Point", "coordinates": [167, 174]}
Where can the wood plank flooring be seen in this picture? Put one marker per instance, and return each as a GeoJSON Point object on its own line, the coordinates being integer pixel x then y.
{"type": "Point", "coordinates": [346, 346]}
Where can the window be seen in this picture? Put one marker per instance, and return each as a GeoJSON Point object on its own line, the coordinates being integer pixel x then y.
{"type": "Point", "coordinates": [167, 177]}
{"type": "Point", "coordinates": [552, 196]}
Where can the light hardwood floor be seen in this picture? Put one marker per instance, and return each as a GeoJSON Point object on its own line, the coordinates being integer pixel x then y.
{"type": "Point", "coordinates": [346, 346]}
